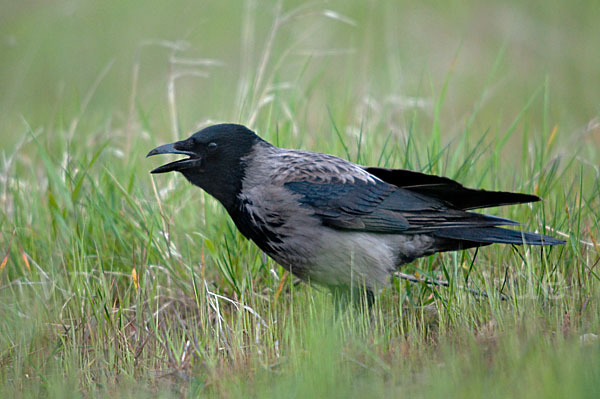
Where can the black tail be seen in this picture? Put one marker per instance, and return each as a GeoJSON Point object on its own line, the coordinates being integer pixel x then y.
{"type": "Point", "coordinates": [495, 235]}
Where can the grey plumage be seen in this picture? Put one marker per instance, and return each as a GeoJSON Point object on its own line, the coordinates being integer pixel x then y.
{"type": "Point", "coordinates": [332, 222]}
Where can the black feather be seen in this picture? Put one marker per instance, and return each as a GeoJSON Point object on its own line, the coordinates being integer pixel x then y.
{"type": "Point", "coordinates": [382, 208]}
{"type": "Point", "coordinates": [447, 190]}
{"type": "Point", "coordinates": [497, 235]}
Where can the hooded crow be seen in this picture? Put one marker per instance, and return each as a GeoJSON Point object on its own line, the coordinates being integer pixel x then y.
{"type": "Point", "coordinates": [332, 222]}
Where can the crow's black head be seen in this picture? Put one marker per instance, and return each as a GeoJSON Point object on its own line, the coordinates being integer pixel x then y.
{"type": "Point", "coordinates": [214, 160]}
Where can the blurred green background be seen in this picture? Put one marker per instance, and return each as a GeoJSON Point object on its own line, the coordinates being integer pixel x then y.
{"type": "Point", "coordinates": [343, 55]}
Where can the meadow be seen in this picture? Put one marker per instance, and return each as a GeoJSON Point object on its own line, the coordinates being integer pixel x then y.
{"type": "Point", "coordinates": [114, 282]}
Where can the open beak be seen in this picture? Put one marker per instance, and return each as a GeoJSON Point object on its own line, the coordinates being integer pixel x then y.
{"type": "Point", "coordinates": [179, 165]}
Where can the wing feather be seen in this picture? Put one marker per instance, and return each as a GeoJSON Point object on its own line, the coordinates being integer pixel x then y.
{"type": "Point", "coordinates": [447, 190]}
{"type": "Point", "coordinates": [349, 197]}
{"type": "Point", "coordinates": [383, 208]}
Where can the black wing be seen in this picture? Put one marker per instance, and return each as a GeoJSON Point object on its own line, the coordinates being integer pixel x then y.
{"type": "Point", "coordinates": [383, 208]}
{"type": "Point", "coordinates": [447, 190]}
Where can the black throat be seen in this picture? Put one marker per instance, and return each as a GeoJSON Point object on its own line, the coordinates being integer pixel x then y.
{"type": "Point", "coordinates": [225, 185]}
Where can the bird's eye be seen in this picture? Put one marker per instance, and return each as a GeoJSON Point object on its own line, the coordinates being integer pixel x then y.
{"type": "Point", "coordinates": [212, 146]}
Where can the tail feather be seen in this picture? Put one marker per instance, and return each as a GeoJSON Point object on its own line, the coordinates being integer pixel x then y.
{"type": "Point", "coordinates": [497, 235]}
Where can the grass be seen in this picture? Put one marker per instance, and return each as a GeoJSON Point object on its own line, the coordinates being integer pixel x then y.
{"type": "Point", "coordinates": [113, 282]}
